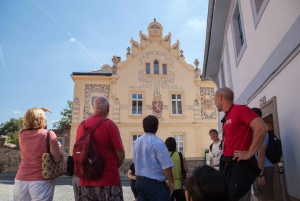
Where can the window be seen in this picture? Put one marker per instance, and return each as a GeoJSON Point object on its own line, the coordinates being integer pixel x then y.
{"type": "Point", "coordinates": [156, 68]}
{"type": "Point", "coordinates": [222, 75]}
{"type": "Point", "coordinates": [134, 137]}
{"type": "Point", "coordinates": [258, 7]}
{"type": "Point", "coordinates": [147, 68]}
{"type": "Point", "coordinates": [238, 32]}
{"type": "Point", "coordinates": [176, 104]}
{"type": "Point", "coordinates": [164, 67]}
{"type": "Point", "coordinates": [241, 35]}
{"type": "Point", "coordinates": [179, 143]}
{"type": "Point", "coordinates": [137, 103]}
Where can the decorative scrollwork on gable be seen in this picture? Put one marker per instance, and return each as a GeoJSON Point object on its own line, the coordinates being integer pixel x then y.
{"type": "Point", "coordinates": [90, 89]}
{"type": "Point", "coordinates": [163, 82]}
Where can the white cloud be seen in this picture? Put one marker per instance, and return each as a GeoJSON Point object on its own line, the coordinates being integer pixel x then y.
{"type": "Point", "coordinates": [1, 58]}
{"type": "Point", "coordinates": [54, 121]}
{"type": "Point", "coordinates": [17, 112]}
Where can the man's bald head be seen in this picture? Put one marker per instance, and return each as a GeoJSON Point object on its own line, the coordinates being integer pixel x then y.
{"type": "Point", "coordinates": [101, 104]}
{"type": "Point", "coordinates": [226, 93]}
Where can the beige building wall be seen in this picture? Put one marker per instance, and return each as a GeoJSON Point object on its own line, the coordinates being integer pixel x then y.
{"type": "Point", "coordinates": [128, 77]}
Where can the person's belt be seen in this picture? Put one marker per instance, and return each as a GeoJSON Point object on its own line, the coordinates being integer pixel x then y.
{"type": "Point", "coordinates": [142, 177]}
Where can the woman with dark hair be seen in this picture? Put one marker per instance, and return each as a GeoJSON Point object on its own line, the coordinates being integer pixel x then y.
{"type": "Point", "coordinates": [176, 170]}
{"type": "Point", "coordinates": [207, 184]}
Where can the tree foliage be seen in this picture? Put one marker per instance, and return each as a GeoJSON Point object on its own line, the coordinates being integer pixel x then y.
{"type": "Point", "coordinates": [66, 116]}
{"type": "Point", "coordinates": [11, 129]}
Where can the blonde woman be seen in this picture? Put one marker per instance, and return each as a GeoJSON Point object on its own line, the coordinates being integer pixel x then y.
{"type": "Point", "coordinates": [29, 182]}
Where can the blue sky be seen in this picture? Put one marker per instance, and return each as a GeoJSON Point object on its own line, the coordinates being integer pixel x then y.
{"type": "Point", "coordinates": [37, 55]}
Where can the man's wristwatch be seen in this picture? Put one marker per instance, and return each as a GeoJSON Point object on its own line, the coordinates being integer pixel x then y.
{"type": "Point", "coordinates": [261, 175]}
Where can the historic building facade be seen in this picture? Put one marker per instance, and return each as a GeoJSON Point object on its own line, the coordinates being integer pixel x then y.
{"type": "Point", "coordinates": [253, 47]}
{"type": "Point", "coordinates": [153, 80]}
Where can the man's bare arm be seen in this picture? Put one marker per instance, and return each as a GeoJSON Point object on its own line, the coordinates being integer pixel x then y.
{"type": "Point", "coordinates": [169, 174]}
{"type": "Point", "coordinates": [261, 163]}
{"type": "Point", "coordinates": [121, 156]}
{"type": "Point", "coordinates": [259, 133]}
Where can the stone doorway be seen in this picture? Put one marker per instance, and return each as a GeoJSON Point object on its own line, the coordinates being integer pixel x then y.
{"type": "Point", "coordinates": [270, 117]}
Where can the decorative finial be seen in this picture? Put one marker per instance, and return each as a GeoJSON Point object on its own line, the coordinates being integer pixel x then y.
{"type": "Point", "coordinates": [181, 53]}
{"type": "Point", "coordinates": [196, 63]}
{"type": "Point", "coordinates": [128, 50]}
{"type": "Point", "coordinates": [154, 19]}
{"type": "Point", "coordinates": [114, 60]}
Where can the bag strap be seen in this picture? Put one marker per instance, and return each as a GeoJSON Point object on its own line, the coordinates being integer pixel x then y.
{"type": "Point", "coordinates": [47, 140]}
{"type": "Point", "coordinates": [181, 163]}
{"type": "Point", "coordinates": [95, 127]}
{"type": "Point", "coordinates": [93, 130]}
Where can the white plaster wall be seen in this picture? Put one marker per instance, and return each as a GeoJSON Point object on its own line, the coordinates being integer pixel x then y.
{"type": "Point", "coordinates": [285, 87]}
{"type": "Point", "coordinates": [276, 20]}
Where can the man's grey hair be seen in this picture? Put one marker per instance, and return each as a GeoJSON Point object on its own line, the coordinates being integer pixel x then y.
{"type": "Point", "coordinates": [101, 105]}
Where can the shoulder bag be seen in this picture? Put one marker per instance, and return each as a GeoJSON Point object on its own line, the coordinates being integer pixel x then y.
{"type": "Point", "coordinates": [52, 170]}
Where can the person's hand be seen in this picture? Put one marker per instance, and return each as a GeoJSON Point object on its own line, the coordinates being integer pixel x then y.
{"type": "Point", "coordinates": [171, 188]}
{"type": "Point", "coordinates": [261, 181]}
{"type": "Point", "coordinates": [241, 155]}
{"type": "Point", "coordinates": [133, 177]}
{"type": "Point", "coordinates": [46, 109]}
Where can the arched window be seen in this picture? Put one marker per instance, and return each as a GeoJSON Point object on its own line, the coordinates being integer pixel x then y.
{"type": "Point", "coordinates": [156, 68]}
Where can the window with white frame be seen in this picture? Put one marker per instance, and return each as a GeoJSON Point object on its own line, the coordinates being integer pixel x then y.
{"type": "Point", "coordinates": [176, 104]}
{"type": "Point", "coordinates": [238, 32]}
{"type": "Point", "coordinates": [156, 67]}
{"type": "Point", "coordinates": [137, 103]}
{"type": "Point", "coordinates": [134, 137]}
{"type": "Point", "coordinates": [179, 143]}
{"type": "Point", "coordinates": [147, 68]}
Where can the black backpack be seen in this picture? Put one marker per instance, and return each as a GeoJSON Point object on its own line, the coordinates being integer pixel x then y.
{"type": "Point", "coordinates": [274, 149]}
{"type": "Point", "coordinates": [220, 146]}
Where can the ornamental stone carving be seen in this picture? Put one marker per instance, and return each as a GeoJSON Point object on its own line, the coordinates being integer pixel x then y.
{"type": "Point", "coordinates": [208, 108]}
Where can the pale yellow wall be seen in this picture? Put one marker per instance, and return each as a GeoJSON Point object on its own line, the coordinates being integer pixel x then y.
{"type": "Point", "coordinates": [131, 78]}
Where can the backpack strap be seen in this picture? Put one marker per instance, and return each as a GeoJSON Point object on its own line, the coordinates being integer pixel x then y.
{"type": "Point", "coordinates": [181, 163]}
{"type": "Point", "coordinates": [220, 146]}
{"type": "Point", "coordinates": [210, 147]}
{"type": "Point", "coordinates": [94, 128]}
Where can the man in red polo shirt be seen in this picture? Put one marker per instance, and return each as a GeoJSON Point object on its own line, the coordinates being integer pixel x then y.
{"type": "Point", "coordinates": [243, 133]}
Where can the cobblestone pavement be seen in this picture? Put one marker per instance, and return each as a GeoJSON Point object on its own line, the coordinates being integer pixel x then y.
{"type": "Point", "coordinates": [63, 189]}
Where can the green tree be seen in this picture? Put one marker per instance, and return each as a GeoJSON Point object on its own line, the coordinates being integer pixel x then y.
{"type": "Point", "coordinates": [11, 129]}
{"type": "Point", "coordinates": [66, 116]}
